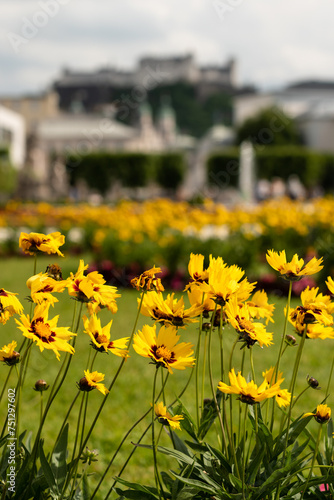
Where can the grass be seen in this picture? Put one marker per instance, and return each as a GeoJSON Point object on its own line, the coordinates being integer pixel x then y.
{"type": "Point", "coordinates": [131, 395]}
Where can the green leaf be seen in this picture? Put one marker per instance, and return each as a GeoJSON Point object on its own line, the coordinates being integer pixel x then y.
{"type": "Point", "coordinates": [180, 457]}
{"type": "Point", "coordinates": [199, 485]}
{"type": "Point", "coordinates": [209, 415]}
{"type": "Point", "coordinates": [296, 428]}
{"type": "Point", "coordinates": [148, 490]}
{"type": "Point", "coordinates": [179, 443]}
{"type": "Point", "coordinates": [236, 483]}
{"type": "Point", "coordinates": [85, 488]}
{"type": "Point", "coordinates": [58, 459]}
{"type": "Point", "coordinates": [47, 471]}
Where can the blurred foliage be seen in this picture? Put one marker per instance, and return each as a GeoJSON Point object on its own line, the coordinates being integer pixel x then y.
{"type": "Point", "coordinates": [270, 127]}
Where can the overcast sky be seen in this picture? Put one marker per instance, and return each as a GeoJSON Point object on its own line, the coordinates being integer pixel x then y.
{"type": "Point", "coordinates": [275, 42]}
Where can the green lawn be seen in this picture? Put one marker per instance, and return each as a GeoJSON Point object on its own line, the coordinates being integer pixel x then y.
{"type": "Point", "coordinates": [132, 394]}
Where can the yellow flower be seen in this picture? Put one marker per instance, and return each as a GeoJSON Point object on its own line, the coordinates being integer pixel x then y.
{"type": "Point", "coordinates": [239, 317]}
{"type": "Point", "coordinates": [200, 299]}
{"type": "Point", "coordinates": [315, 313]}
{"type": "Point", "coordinates": [163, 349]}
{"type": "Point", "coordinates": [169, 310]}
{"type": "Point", "coordinates": [92, 380]}
{"type": "Point", "coordinates": [224, 282]}
{"type": "Point", "coordinates": [283, 397]}
{"type": "Point", "coordinates": [314, 331]}
{"type": "Point", "coordinates": [8, 354]}
{"type": "Point", "coordinates": [148, 280]}
{"type": "Point", "coordinates": [322, 414]}
{"type": "Point", "coordinates": [330, 284]}
{"type": "Point", "coordinates": [259, 308]}
{"type": "Point", "coordinates": [42, 287]}
{"type": "Point", "coordinates": [101, 337]}
{"type": "Point", "coordinates": [9, 305]}
{"type": "Point", "coordinates": [249, 392]}
{"type": "Point", "coordinates": [196, 270]}
{"type": "Point", "coordinates": [45, 332]}
{"type": "Point", "coordinates": [37, 242]}
{"type": "Point", "coordinates": [165, 418]}
{"type": "Point", "coordinates": [294, 270]}
{"type": "Point", "coordinates": [92, 290]}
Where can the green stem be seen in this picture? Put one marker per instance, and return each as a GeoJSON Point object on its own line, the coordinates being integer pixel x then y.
{"type": "Point", "coordinates": [329, 379]}
{"type": "Point", "coordinates": [276, 370]}
{"type": "Point", "coordinates": [313, 460]}
{"type": "Point", "coordinates": [299, 395]}
{"type": "Point", "coordinates": [216, 403]}
{"type": "Point", "coordinates": [244, 454]}
{"type": "Point", "coordinates": [240, 404]}
{"type": "Point", "coordinates": [292, 388]}
{"type": "Point", "coordinates": [134, 449]}
{"type": "Point", "coordinates": [154, 446]}
{"type": "Point", "coordinates": [230, 368]}
{"type": "Point", "coordinates": [256, 408]}
{"type": "Point", "coordinates": [197, 376]}
{"type": "Point", "coordinates": [203, 370]}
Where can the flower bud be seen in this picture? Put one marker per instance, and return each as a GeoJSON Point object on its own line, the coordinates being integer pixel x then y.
{"type": "Point", "coordinates": [83, 385]}
{"type": "Point", "coordinates": [89, 456]}
{"type": "Point", "coordinates": [12, 359]}
{"type": "Point", "coordinates": [206, 327]}
{"type": "Point", "coordinates": [54, 271]}
{"type": "Point", "coordinates": [290, 340]}
{"type": "Point", "coordinates": [312, 382]}
{"type": "Point", "coordinates": [41, 385]}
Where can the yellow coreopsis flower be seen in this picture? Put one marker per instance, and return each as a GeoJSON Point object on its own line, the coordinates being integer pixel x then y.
{"type": "Point", "coordinates": [42, 287]}
{"type": "Point", "coordinates": [9, 305]}
{"type": "Point", "coordinates": [8, 354]}
{"type": "Point", "coordinates": [225, 282]}
{"type": "Point", "coordinates": [196, 270]}
{"type": "Point", "coordinates": [101, 337]}
{"type": "Point", "coordinates": [283, 397]}
{"type": "Point", "coordinates": [165, 418]}
{"type": "Point", "coordinates": [163, 349]}
{"type": "Point", "coordinates": [250, 331]}
{"type": "Point", "coordinates": [198, 298]}
{"type": "Point", "coordinates": [148, 280]}
{"type": "Point", "coordinates": [92, 289]}
{"type": "Point", "coordinates": [330, 284]}
{"type": "Point", "coordinates": [314, 330]}
{"type": "Point", "coordinates": [322, 414]}
{"type": "Point", "coordinates": [313, 314]}
{"type": "Point", "coordinates": [169, 310]}
{"type": "Point", "coordinates": [249, 392]}
{"type": "Point", "coordinates": [38, 242]}
{"type": "Point", "coordinates": [294, 270]}
{"type": "Point", "coordinates": [92, 380]}
{"type": "Point", "coordinates": [45, 332]}
{"type": "Point", "coordinates": [259, 307]}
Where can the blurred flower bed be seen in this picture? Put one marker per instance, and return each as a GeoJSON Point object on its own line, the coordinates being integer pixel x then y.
{"type": "Point", "coordinates": [128, 237]}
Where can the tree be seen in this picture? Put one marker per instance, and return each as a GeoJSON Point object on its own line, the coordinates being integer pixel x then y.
{"type": "Point", "coordinates": [271, 127]}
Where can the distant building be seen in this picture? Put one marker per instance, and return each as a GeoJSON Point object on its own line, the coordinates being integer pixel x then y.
{"type": "Point", "coordinates": [309, 103]}
{"type": "Point", "coordinates": [12, 135]}
{"type": "Point", "coordinates": [33, 107]}
{"type": "Point", "coordinates": [96, 88]}
{"type": "Point", "coordinates": [79, 133]}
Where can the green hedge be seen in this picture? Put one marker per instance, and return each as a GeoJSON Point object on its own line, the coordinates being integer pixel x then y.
{"type": "Point", "coordinates": [223, 168]}
{"type": "Point", "coordinates": [8, 174]}
{"type": "Point", "coordinates": [101, 169]}
{"type": "Point", "coordinates": [313, 168]}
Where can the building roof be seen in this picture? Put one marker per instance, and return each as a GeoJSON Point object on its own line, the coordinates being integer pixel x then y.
{"type": "Point", "coordinates": [74, 126]}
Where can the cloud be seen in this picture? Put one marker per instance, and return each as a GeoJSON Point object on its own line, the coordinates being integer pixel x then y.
{"type": "Point", "coordinates": [274, 42]}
